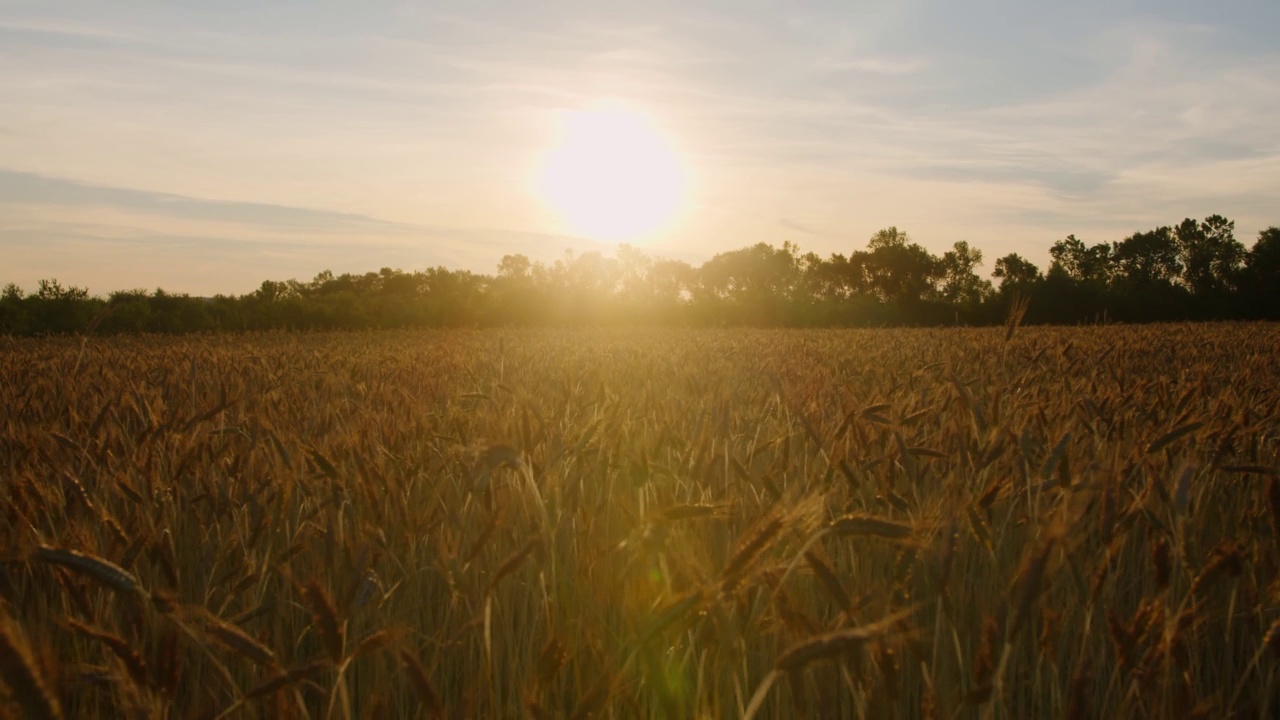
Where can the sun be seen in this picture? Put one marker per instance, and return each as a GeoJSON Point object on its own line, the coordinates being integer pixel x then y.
{"type": "Point", "coordinates": [613, 175]}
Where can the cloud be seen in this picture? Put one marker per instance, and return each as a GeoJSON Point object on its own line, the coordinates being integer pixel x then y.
{"type": "Point", "coordinates": [877, 65]}
{"type": "Point", "coordinates": [1059, 178]}
{"type": "Point", "coordinates": [30, 188]}
{"type": "Point", "coordinates": [90, 235]}
{"type": "Point", "coordinates": [56, 28]}
{"type": "Point", "coordinates": [790, 224]}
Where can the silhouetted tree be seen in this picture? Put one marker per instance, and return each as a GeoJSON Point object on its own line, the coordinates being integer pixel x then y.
{"type": "Point", "coordinates": [1261, 277]}
{"type": "Point", "coordinates": [1016, 274]}
{"type": "Point", "coordinates": [1210, 255]}
{"type": "Point", "coordinates": [57, 309]}
{"type": "Point", "coordinates": [1195, 270]}
{"type": "Point", "coordinates": [1147, 259]}
{"type": "Point", "coordinates": [13, 311]}
{"type": "Point", "coordinates": [1145, 282]}
{"type": "Point", "coordinates": [1081, 263]}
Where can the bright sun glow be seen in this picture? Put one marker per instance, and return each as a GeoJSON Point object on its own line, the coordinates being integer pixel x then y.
{"type": "Point", "coordinates": [613, 175]}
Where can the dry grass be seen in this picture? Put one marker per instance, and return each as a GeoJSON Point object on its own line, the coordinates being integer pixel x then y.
{"type": "Point", "coordinates": [912, 523]}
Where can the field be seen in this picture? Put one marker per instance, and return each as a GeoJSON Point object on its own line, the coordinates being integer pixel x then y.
{"type": "Point", "coordinates": [948, 523]}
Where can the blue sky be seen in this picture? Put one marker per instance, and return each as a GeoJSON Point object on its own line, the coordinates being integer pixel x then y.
{"type": "Point", "coordinates": [204, 147]}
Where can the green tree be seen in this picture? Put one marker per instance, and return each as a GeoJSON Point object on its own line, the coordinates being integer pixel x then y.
{"type": "Point", "coordinates": [898, 270]}
{"type": "Point", "coordinates": [960, 282]}
{"type": "Point", "coordinates": [752, 285]}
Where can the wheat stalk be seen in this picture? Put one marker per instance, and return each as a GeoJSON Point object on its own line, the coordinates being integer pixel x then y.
{"type": "Point", "coordinates": [104, 571]}
{"type": "Point", "coordinates": [21, 673]}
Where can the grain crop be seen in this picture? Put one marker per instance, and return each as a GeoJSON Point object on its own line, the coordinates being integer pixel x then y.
{"type": "Point", "coordinates": [952, 522]}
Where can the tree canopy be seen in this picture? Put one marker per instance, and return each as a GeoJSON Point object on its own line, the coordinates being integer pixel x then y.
{"type": "Point", "coordinates": [1195, 270]}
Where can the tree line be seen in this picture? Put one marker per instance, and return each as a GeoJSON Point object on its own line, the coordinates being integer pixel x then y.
{"type": "Point", "coordinates": [1196, 270]}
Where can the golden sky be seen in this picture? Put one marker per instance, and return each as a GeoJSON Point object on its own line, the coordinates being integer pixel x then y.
{"type": "Point", "coordinates": [205, 147]}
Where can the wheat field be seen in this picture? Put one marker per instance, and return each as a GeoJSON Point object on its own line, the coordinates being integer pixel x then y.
{"type": "Point", "coordinates": [945, 523]}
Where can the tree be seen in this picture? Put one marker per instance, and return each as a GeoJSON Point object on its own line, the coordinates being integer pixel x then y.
{"type": "Point", "coordinates": [960, 282]}
{"type": "Point", "coordinates": [130, 311]}
{"type": "Point", "coordinates": [890, 237]}
{"type": "Point", "coordinates": [671, 285]}
{"type": "Point", "coordinates": [1075, 288]}
{"type": "Point", "coordinates": [752, 285]}
{"type": "Point", "coordinates": [1262, 275]}
{"type": "Point", "coordinates": [53, 290]}
{"type": "Point", "coordinates": [399, 284]}
{"type": "Point", "coordinates": [1148, 258]}
{"type": "Point", "coordinates": [321, 282]}
{"type": "Point", "coordinates": [514, 267]}
{"type": "Point", "coordinates": [516, 297]}
{"type": "Point", "coordinates": [179, 312]}
{"type": "Point", "coordinates": [1211, 257]}
{"type": "Point", "coordinates": [898, 270]}
{"type": "Point", "coordinates": [1195, 270]}
{"type": "Point", "coordinates": [1083, 264]}
{"type": "Point", "coordinates": [1145, 283]}
{"type": "Point", "coordinates": [632, 268]}
{"type": "Point", "coordinates": [13, 311]}
{"type": "Point", "coordinates": [54, 308]}
{"type": "Point", "coordinates": [1016, 273]}
{"type": "Point", "coordinates": [271, 291]}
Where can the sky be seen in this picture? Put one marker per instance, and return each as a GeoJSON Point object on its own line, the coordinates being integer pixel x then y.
{"type": "Point", "coordinates": [204, 147]}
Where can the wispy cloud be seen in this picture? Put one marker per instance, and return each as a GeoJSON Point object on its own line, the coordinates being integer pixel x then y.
{"type": "Point", "coordinates": [75, 231]}
{"type": "Point", "coordinates": [17, 188]}
{"type": "Point", "coordinates": [876, 65]}
{"type": "Point", "coordinates": [790, 224]}
{"type": "Point", "coordinates": [44, 26]}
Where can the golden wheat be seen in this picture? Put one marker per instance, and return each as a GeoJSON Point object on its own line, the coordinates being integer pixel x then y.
{"type": "Point", "coordinates": [1000, 522]}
